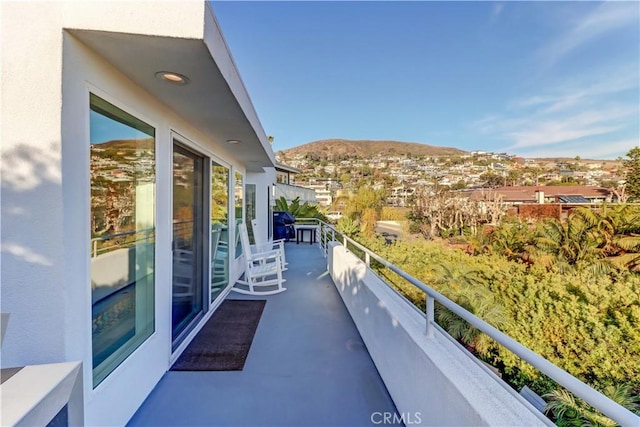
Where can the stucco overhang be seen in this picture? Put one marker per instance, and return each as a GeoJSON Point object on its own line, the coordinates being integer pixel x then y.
{"type": "Point", "coordinates": [215, 100]}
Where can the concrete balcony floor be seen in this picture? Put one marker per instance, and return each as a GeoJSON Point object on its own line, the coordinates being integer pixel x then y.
{"type": "Point", "coordinates": [307, 365]}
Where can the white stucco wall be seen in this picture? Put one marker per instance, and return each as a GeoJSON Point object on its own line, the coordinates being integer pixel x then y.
{"type": "Point", "coordinates": [263, 182]}
{"type": "Point", "coordinates": [427, 376]}
{"type": "Point", "coordinates": [46, 78]}
{"type": "Point", "coordinates": [32, 203]}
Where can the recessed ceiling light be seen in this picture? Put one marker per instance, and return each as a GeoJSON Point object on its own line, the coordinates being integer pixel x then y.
{"type": "Point", "coordinates": [233, 141]}
{"type": "Point", "coordinates": [172, 77]}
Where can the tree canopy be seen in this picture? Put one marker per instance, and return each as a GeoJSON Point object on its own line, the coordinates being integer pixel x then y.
{"type": "Point", "coordinates": [632, 176]}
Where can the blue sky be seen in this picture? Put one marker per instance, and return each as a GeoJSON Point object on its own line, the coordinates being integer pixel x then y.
{"type": "Point", "coordinates": [529, 78]}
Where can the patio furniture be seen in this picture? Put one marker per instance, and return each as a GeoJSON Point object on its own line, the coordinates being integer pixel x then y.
{"type": "Point", "coordinates": [261, 245]}
{"type": "Point", "coordinates": [263, 270]}
{"type": "Point", "coordinates": [183, 273]}
{"type": "Point", "coordinates": [300, 234]}
{"type": "Point", "coordinates": [219, 255]}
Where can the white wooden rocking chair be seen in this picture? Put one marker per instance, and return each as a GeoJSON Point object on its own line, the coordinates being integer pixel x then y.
{"type": "Point", "coordinates": [263, 270]}
{"type": "Point", "coordinates": [262, 245]}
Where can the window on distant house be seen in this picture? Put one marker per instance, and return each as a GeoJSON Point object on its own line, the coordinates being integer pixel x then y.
{"type": "Point", "coordinates": [123, 176]}
{"type": "Point", "coordinates": [282, 177]}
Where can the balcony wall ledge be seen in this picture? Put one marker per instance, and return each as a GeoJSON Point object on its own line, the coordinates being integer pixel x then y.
{"type": "Point", "coordinates": [431, 380]}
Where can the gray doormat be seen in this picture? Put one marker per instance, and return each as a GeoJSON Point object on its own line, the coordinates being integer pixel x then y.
{"type": "Point", "coordinates": [224, 341]}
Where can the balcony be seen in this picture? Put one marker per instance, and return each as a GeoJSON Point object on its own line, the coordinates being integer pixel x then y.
{"type": "Point", "coordinates": [307, 365]}
{"type": "Point", "coordinates": [340, 347]}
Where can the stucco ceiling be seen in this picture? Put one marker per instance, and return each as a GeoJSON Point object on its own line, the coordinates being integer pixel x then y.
{"type": "Point", "coordinates": [206, 102]}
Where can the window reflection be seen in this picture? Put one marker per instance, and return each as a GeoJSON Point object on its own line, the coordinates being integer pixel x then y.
{"type": "Point", "coordinates": [219, 229]}
{"type": "Point", "coordinates": [122, 174]}
{"type": "Point", "coordinates": [239, 195]}
{"type": "Point", "coordinates": [188, 239]}
{"type": "Point", "coordinates": [251, 209]}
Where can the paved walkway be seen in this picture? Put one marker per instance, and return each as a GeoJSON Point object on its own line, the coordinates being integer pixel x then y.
{"type": "Point", "coordinates": [307, 365]}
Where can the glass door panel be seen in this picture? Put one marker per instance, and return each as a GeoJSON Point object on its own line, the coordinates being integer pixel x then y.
{"type": "Point", "coordinates": [188, 240]}
{"type": "Point", "coordinates": [239, 210]}
{"type": "Point", "coordinates": [250, 204]}
{"type": "Point", "coordinates": [219, 229]}
{"type": "Point", "coordinates": [122, 255]}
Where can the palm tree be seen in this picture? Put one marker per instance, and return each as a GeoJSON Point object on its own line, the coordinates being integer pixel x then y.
{"type": "Point", "coordinates": [567, 244]}
{"type": "Point", "coordinates": [512, 240]}
{"type": "Point", "coordinates": [569, 411]}
{"type": "Point", "coordinates": [618, 229]}
{"type": "Point", "coordinates": [348, 226]}
{"type": "Point", "coordinates": [304, 210]}
{"type": "Point", "coordinates": [466, 288]}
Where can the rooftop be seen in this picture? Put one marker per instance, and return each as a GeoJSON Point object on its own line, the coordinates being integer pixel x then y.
{"type": "Point", "coordinates": [524, 193]}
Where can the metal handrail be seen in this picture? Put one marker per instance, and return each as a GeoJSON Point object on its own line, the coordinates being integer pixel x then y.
{"type": "Point", "coordinates": [610, 408]}
{"type": "Point", "coordinates": [124, 233]}
{"type": "Point", "coordinates": [95, 240]}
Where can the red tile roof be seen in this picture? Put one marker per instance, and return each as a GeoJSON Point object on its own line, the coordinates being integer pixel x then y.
{"type": "Point", "coordinates": [528, 194]}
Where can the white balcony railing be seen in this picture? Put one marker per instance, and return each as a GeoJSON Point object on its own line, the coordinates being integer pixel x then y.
{"type": "Point", "coordinates": [325, 234]}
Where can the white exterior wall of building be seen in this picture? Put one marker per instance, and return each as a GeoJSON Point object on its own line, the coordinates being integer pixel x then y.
{"type": "Point", "coordinates": [47, 75]}
{"type": "Point", "coordinates": [264, 183]}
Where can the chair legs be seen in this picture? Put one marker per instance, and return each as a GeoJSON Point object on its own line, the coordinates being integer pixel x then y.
{"type": "Point", "coordinates": [263, 270]}
{"type": "Point", "coordinates": [262, 278]}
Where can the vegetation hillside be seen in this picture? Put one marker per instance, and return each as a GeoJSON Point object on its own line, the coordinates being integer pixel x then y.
{"type": "Point", "coordinates": [344, 148]}
{"type": "Point", "coordinates": [127, 144]}
{"type": "Point", "coordinates": [568, 289]}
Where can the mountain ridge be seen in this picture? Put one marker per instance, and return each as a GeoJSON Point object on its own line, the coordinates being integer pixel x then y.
{"type": "Point", "coordinates": [366, 148]}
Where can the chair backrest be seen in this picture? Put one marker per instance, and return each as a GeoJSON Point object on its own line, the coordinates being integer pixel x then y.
{"type": "Point", "coordinates": [244, 238]}
{"type": "Point", "coordinates": [215, 239]}
{"type": "Point", "coordinates": [257, 233]}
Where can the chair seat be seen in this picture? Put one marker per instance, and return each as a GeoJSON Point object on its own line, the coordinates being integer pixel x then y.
{"type": "Point", "coordinates": [261, 245]}
{"type": "Point", "coordinates": [263, 270]}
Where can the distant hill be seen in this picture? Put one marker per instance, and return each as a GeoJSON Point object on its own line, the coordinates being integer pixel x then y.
{"type": "Point", "coordinates": [334, 148]}
{"type": "Point", "coordinates": [127, 144]}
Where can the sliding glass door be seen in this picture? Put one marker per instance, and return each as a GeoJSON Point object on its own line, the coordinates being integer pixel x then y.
{"type": "Point", "coordinates": [188, 240]}
{"type": "Point", "coordinates": [219, 240]}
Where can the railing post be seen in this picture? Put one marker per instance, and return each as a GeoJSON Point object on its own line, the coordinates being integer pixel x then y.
{"type": "Point", "coordinates": [95, 248]}
{"type": "Point", "coordinates": [323, 238]}
{"type": "Point", "coordinates": [367, 259]}
{"type": "Point", "coordinates": [326, 240]}
{"type": "Point", "coordinates": [430, 309]}
{"type": "Point", "coordinates": [345, 241]}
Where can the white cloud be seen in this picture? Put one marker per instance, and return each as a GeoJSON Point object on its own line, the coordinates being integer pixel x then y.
{"type": "Point", "coordinates": [26, 254]}
{"type": "Point", "coordinates": [588, 149]}
{"type": "Point", "coordinates": [546, 131]}
{"type": "Point", "coordinates": [598, 106]}
{"type": "Point", "coordinates": [607, 17]}
{"type": "Point", "coordinates": [497, 9]}
{"type": "Point", "coordinates": [576, 115]}
{"type": "Point", "coordinates": [587, 91]}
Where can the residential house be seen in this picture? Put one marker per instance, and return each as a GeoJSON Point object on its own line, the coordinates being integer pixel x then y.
{"type": "Point", "coordinates": [131, 153]}
{"type": "Point", "coordinates": [285, 185]}
{"type": "Point", "coordinates": [128, 139]}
